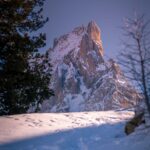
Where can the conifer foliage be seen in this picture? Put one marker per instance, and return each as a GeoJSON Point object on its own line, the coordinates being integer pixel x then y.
{"type": "Point", "coordinates": [24, 73]}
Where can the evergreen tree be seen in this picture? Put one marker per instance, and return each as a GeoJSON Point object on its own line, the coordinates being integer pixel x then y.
{"type": "Point", "coordinates": [24, 74]}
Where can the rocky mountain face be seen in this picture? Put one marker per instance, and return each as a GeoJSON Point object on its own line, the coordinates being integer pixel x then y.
{"type": "Point", "coordinates": [82, 79]}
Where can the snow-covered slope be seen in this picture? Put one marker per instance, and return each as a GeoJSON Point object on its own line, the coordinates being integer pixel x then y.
{"type": "Point", "coordinates": [71, 131]}
{"type": "Point", "coordinates": [82, 79]}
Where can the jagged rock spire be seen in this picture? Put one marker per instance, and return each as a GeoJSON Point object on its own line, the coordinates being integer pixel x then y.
{"type": "Point", "coordinates": [94, 32]}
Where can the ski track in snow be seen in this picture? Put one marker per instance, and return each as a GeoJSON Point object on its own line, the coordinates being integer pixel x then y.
{"type": "Point", "coordinates": [71, 131]}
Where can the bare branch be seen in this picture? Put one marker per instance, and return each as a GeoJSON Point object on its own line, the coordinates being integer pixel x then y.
{"type": "Point", "coordinates": [135, 57]}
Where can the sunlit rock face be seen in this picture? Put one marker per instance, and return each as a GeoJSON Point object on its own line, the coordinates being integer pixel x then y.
{"type": "Point", "coordinates": [82, 79]}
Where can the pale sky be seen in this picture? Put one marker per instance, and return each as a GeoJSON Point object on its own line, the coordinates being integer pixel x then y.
{"type": "Point", "coordinates": [65, 15]}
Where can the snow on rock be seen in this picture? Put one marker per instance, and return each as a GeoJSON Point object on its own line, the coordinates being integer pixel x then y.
{"type": "Point", "coordinates": [65, 44]}
{"type": "Point", "coordinates": [71, 131]}
{"type": "Point", "coordinates": [101, 67]}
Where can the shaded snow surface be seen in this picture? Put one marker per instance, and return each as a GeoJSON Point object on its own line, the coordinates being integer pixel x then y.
{"type": "Point", "coordinates": [71, 131]}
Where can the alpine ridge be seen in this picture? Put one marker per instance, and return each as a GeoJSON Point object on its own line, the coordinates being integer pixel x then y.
{"type": "Point", "coordinates": [82, 79]}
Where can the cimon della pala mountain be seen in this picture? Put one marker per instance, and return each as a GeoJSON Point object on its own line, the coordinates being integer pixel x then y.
{"type": "Point", "coordinates": [82, 79]}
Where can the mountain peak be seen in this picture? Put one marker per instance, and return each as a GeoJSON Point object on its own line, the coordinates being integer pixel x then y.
{"type": "Point", "coordinates": [82, 79]}
{"type": "Point", "coordinates": [93, 31]}
{"type": "Point", "coordinates": [93, 24]}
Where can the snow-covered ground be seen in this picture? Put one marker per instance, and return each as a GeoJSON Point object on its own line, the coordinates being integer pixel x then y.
{"type": "Point", "coordinates": [71, 131]}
